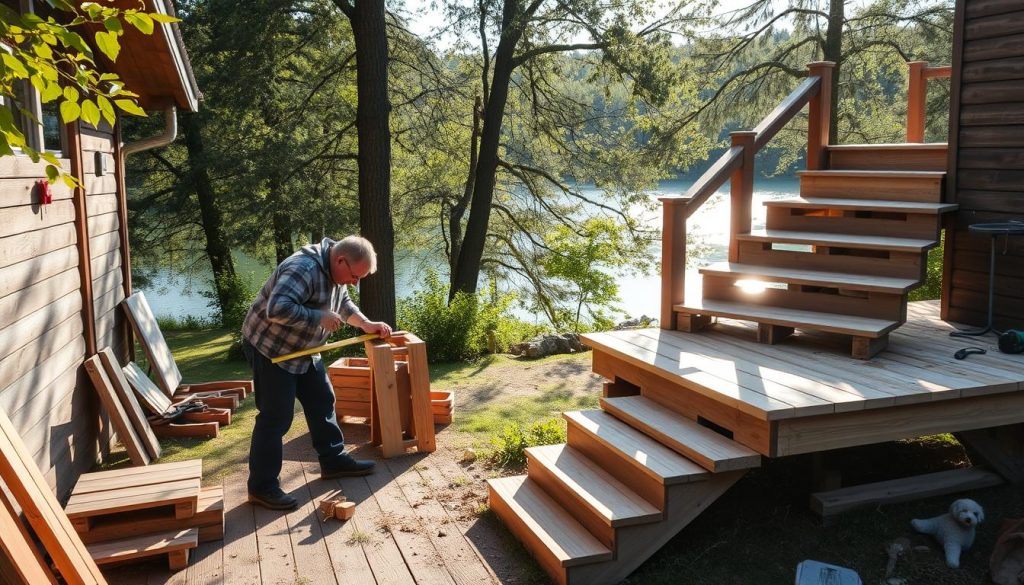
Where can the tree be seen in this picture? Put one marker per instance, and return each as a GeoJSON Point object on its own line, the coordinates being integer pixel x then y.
{"type": "Point", "coordinates": [369, 28]}
{"type": "Point", "coordinates": [54, 58]}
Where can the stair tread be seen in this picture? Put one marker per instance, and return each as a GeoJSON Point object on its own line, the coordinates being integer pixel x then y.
{"type": "Point", "coordinates": [872, 173]}
{"type": "Point", "coordinates": [864, 282]}
{"type": "Point", "coordinates": [143, 545]}
{"type": "Point", "coordinates": [863, 205]}
{"type": "Point", "coordinates": [613, 501]}
{"type": "Point", "coordinates": [892, 146]}
{"type": "Point", "coordinates": [667, 465]}
{"type": "Point", "coordinates": [830, 322]}
{"type": "Point", "coordinates": [838, 240]}
{"type": "Point", "coordinates": [567, 540]}
{"type": "Point", "coordinates": [704, 446]}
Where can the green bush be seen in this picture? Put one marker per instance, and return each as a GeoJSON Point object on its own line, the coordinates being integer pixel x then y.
{"type": "Point", "coordinates": [932, 288]}
{"type": "Point", "coordinates": [465, 328]}
{"type": "Point", "coordinates": [186, 323]}
{"type": "Point", "coordinates": [510, 444]}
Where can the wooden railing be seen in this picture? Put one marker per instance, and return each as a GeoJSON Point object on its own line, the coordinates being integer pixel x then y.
{"type": "Point", "coordinates": [737, 167]}
{"type": "Point", "coordinates": [917, 96]}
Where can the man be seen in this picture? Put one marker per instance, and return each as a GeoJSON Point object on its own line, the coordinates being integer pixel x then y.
{"type": "Point", "coordinates": [303, 301]}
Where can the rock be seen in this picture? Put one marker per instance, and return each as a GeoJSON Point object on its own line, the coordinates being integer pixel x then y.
{"type": "Point", "coordinates": [641, 321]}
{"type": "Point", "coordinates": [468, 456]}
{"type": "Point", "coordinates": [544, 345]}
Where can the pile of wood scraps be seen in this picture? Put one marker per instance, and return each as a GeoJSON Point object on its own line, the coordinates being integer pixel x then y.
{"type": "Point", "coordinates": [205, 421]}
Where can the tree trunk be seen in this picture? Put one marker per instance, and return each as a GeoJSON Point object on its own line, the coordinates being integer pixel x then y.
{"type": "Point", "coordinates": [377, 293]}
{"type": "Point", "coordinates": [834, 53]}
{"type": "Point", "coordinates": [468, 270]}
{"type": "Point", "coordinates": [459, 209]}
{"type": "Point", "coordinates": [217, 248]}
{"type": "Point", "coordinates": [282, 226]}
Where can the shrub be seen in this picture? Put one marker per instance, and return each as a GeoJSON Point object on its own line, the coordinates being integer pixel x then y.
{"type": "Point", "coordinates": [511, 442]}
{"type": "Point", "coordinates": [932, 288]}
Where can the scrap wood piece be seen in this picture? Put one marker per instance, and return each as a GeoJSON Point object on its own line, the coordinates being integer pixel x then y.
{"type": "Point", "coordinates": [104, 387]}
{"type": "Point", "coordinates": [44, 514]}
{"type": "Point", "coordinates": [168, 377]}
{"type": "Point", "coordinates": [336, 505]}
{"type": "Point", "coordinates": [127, 398]}
{"type": "Point", "coordinates": [174, 544]}
{"type": "Point", "coordinates": [25, 563]}
{"type": "Point", "coordinates": [151, 397]}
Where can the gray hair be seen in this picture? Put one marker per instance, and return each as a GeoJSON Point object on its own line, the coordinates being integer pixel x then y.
{"type": "Point", "coordinates": [356, 249]}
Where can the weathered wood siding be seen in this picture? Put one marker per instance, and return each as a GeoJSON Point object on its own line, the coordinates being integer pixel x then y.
{"type": "Point", "coordinates": [986, 160]}
{"type": "Point", "coordinates": [43, 334]}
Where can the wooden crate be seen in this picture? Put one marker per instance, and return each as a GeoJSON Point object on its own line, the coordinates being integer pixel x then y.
{"type": "Point", "coordinates": [442, 405]}
{"type": "Point", "coordinates": [350, 378]}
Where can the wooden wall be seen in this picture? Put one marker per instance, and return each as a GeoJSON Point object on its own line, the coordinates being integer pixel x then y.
{"type": "Point", "coordinates": [43, 337]}
{"type": "Point", "coordinates": [986, 160]}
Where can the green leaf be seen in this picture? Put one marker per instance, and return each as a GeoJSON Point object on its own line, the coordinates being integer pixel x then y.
{"type": "Point", "coordinates": [108, 76]}
{"type": "Point", "coordinates": [73, 41]}
{"type": "Point", "coordinates": [71, 94]}
{"type": "Point", "coordinates": [43, 50]}
{"type": "Point", "coordinates": [131, 107]}
{"type": "Point", "coordinates": [48, 38]}
{"type": "Point", "coordinates": [69, 111]}
{"type": "Point", "coordinates": [50, 158]}
{"type": "Point", "coordinates": [141, 21]}
{"type": "Point", "coordinates": [164, 18]}
{"type": "Point", "coordinates": [107, 43]}
{"type": "Point", "coordinates": [70, 181]}
{"type": "Point", "coordinates": [38, 82]}
{"type": "Point", "coordinates": [107, 109]}
{"type": "Point", "coordinates": [52, 173]}
{"type": "Point", "coordinates": [14, 64]}
{"type": "Point", "coordinates": [113, 25]}
{"type": "Point", "coordinates": [63, 5]}
{"type": "Point", "coordinates": [5, 149]}
{"type": "Point", "coordinates": [92, 8]}
{"type": "Point", "coordinates": [90, 113]}
{"type": "Point", "coordinates": [51, 92]}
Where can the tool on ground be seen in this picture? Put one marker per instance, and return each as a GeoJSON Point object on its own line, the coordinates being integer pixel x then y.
{"type": "Point", "coordinates": [963, 353]}
{"type": "Point", "coordinates": [1011, 341]}
{"type": "Point", "coordinates": [329, 346]}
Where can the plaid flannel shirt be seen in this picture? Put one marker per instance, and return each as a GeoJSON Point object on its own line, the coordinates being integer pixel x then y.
{"type": "Point", "coordinates": [286, 314]}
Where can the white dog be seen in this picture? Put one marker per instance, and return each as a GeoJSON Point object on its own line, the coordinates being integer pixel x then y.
{"type": "Point", "coordinates": [955, 529]}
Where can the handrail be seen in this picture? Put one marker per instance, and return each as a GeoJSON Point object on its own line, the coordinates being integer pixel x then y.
{"type": "Point", "coordinates": [917, 95]}
{"type": "Point", "coordinates": [737, 166]}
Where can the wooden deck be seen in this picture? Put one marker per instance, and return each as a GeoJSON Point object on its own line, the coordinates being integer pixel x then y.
{"type": "Point", "coordinates": [807, 394]}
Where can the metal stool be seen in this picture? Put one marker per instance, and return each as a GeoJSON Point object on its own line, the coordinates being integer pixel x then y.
{"type": "Point", "coordinates": [994, 230]}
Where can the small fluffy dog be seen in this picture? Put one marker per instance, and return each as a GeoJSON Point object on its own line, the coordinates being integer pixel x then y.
{"type": "Point", "coordinates": [955, 529]}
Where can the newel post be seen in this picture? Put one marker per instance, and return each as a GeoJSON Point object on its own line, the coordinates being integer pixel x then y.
{"type": "Point", "coordinates": [819, 115]}
{"type": "Point", "coordinates": [917, 93]}
{"type": "Point", "coordinates": [741, 188]}
{"type": "Point", "coordinates": [673, 258]}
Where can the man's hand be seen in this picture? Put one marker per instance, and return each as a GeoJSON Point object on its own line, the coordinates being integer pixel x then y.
{"type": "Point", "coordinates": [330, 321]}
{"type": "Point", "coordinates": [379, 327]}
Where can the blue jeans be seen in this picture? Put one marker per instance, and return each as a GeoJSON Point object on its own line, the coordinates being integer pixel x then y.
{"type": "Point", "coordinates": [276, 391]}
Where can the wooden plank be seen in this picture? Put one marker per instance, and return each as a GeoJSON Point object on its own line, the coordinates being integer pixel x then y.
{"type": "Point", "coordinates": [863, 282]}
{"type": "Point", "coordinates": [209, 519]}
{"type": "Point", "coordinates": [821, 433]}
{"type": "Point", "coordinates": [99, 481]}
{"type": "Point", "coordinates": [19, 276]}
{"type": "Point", "coordinates": [36, 296]}
{"type": "Point", "coordinates": [385, 407]}
{"type": "Point", "coordinates": [22, 398]}
{"type": "Point", "coordinates": [101, 224]}
{"type": "Point", "coordinates": [839, 240]}
{"type": "Point", "coordinates": [128, 402]}
{"type": "Point", "coordinates": [21, 166]}
{"type": "Point", "coordinates": [898, 264]}
{"type": "Point", "coordinates": [992, 159]}
{"type": "Point", "coordinates": [789, 317]}
{"type": "Point", "coordinates": [43, 512]}
{"type": "Point", "coordinates": [107, 302]}
{"type": "Point", "coordinates": [990, 179]}
{"type": "Point", "coordinates": [897, 157]}
{"type": "Point", "coordinates": [309, 549]}
{"type": "Point", "coordinates": [183, 494]}
{"type": "Point", "coordinates": [1010, 136]}
{"type": "Point", "coordinates": [903, 489]}
{"type": "Point", "coordinates": [241, 552]}
{"type": "Point", "coordinates": [276, 558]}
{"type": "Point", "coordinates": [18, 248]}
{"type": "Point", "coordinates": [127, 433]}
{"type": "Point", "coordinates": [998, 201]}
{"type": "Point", "coordinates": [992, 114]}
{"type": "Point", "coordinates": [101, 205]}
{"type": "Point", "coordinates": [25, 192]}
{"type": "Point", "coordinates": [998, 92]}
{"type": "Point", "coordinates": [27, 566]}
{"type": "Point", "coordinates": [147, 545]}
{"type": "Point", "coordinates": [27, 218]}
{"type": "Point", "coordinates": [100, 244]}
{"type": "Point", "coordinates": [106, 262]}
{"type": "Point", "coordinates": [994, 70]}
{"type": "Point", "coordinates": [980, 8]}
{"type": "Point", "coordinates": [97, 143]}
{"type": "Point", "coordinates": [148, 334]}
{"type": "Point", "coordinates": [97, 185]}
{"type": "Point", "coordinates": [150, 396]}
{"type": "Point", "coordinates": [923, 186]}
{"type": "Point", "coordinates": [994, 26]}
{"type": "Point", "coordinates": [419, 389]}
{"type": "Point", "coordinates": [24, 359]}
{"type": "Point", "coordinates": [348, 563]}
{"type": "Point", "coordinates": [104, 284]}
{"type": "Point", "coordinates": [862, 205]}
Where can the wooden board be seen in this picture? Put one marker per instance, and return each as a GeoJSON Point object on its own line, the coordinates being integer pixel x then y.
{"type": "Point", "coordinates": [155, 401]}
{"type": "Point", "coordinates": [183, 494]}
{"type": "Point", "coordinates": [419, 388]}
{"type": "Point", "coordinates": [148, 545]}
{"type": "Point", "coordinates": [133, 443]}
{"type": "Point", "coordinates": [26, 563]}
{"type": "Point", "coordinates": [209, 516]}
{"type": "Point", "coordinates": [168, 377]}
{"type": "Point", "coordinates": [100, 481]}
{"type": "Point", "coordinates": [129, 403]}
{"type": "Point", "coordinates": [44, 514]}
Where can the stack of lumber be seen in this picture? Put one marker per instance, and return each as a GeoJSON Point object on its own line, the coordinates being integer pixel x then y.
{"type": "Point", "coordinates": [196, 424]}
{"type": "Point", "coordinates": [139, 512]}
{"type": "Point", "coordinates": [350, 377]}
{"type": "Point", "coordinates": [442, 404]}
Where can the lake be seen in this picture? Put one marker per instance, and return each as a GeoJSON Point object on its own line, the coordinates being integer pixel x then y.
{"type": "Point", "coordinates": [172, 296]}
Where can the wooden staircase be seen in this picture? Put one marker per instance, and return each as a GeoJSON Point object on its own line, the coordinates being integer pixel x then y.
{"type": "Point", "coordinates": [842, 257]}
{"type": "Point", "coordinates": [630, 477]}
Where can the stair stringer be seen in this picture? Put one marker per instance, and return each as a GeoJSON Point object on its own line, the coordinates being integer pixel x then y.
{"type": "Point", "coordinates": [636, 544]}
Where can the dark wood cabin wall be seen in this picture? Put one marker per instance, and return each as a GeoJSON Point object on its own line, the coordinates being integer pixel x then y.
{"type": "Point", "coordinates": [42, 387]}
{"type": "Point", "coordinates": [988, 120]}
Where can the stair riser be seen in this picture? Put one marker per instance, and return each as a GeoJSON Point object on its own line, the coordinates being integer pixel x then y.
{"type": "Point", "coordinates": [857, 303]}
{"type": "Point", "coordinates": [638, 543]}
{"type": "Point", "coordinates": [926, 190]}
{"type": "Point", "coordinates": [839, 221]}
{"type": "Point", "coordinates": [568, 499]}
{"type": "Point", "coordinates": [882, 159]}
{"type": "Point", "coordinates": [896, 264]}
{"type": "Point", "coordinates": [516, 526]}
{"type": "Point", "coordinates": [613, 461]}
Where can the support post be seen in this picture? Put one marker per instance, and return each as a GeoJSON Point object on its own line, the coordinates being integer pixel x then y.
{"type": "Point", "coordinates": [673, 258]}
{"type": "Point", "coordinates": [741, 187]}
{"type": "Point", "coordinates": [819, 116]}
{"type": "Point", "coordinates": [917, 95]}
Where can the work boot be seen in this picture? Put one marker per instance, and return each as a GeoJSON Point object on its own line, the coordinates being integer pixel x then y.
{"type": "Point", "coordinates": [346, 466]}
{"type": "Point", "coordinates": [275, 499]}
